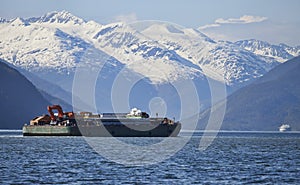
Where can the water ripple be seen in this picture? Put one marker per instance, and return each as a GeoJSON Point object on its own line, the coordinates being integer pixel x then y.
{"type": "Point", "coordinates": [233, 158]}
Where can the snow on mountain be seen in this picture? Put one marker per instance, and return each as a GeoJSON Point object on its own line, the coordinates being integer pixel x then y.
{"type": "Point", "coordinates": [280, 53]}
{"type": "Point", "coordinates": [144, 55]}
{"type": "Point", "coordinates": [57, 40]}
{"type": "Point", "coordinates": [19, 22]}
{"type": "Point", "coordinates": [294, 51]}
{"type": "Point", "coordinates": [188, 43]}
{"type": "Point", "coordinates": [39, 48]}
{"type": "Point", "coordinates": [44, 47]}
{"type": "Point", "coordinates": [236, 65]}
{"type": "Point", "coordinates": [223, 61]}
{"type": "Point", "coordinates": [68, 23]}
{"type": "Point", "coordinates": [62, 17]}
{"type": "Point", "coordinates": [51, 46]}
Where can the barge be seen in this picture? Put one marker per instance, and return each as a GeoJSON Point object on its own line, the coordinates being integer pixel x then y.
{"type": "Point", "coordinates": [132, 124]}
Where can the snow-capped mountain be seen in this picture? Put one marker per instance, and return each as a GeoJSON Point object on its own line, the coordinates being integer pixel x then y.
{"type": "Point", "coordinates": [280, 53]}
{"type": "Point", "coordinates": [143, 55]}
{"type": "Point", "coordinates": [62, 17]}
{"type": "Point", "coordinates": [223, 61]}
{"type": "Point", "coordinates": [57, 41]}
{"type": "Point", "coordinates": [52, 46]}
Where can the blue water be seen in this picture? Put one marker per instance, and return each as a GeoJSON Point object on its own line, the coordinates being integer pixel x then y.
{"type": "Point", "coordinates": [232, 158]}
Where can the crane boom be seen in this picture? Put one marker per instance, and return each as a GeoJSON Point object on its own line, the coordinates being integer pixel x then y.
{"type": "Point", "coordinates": [58, 108]}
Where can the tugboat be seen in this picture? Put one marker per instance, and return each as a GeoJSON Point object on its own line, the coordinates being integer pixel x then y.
{"type": "Point", "coordinates": [62, 124]}
{"type": "Point", "coordinates": [133, 124]}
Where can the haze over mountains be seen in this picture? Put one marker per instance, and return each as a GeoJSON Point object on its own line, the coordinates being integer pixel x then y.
{"type": "Point", "coordinates": [266, 104]}
{"type": "Point", "coordinates": [151, 56]}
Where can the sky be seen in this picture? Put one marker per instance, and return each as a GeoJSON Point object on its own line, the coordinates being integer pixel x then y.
{"type": "Point", "coordinates": [274, 21]}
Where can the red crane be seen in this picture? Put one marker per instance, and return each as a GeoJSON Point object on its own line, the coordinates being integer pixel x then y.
{"type": "Point", "coordinates": [58, 108]}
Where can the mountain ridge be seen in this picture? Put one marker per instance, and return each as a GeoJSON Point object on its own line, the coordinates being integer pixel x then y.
{"type": "Point", "coordinates": [69, 29]}
{"type": "Point", "coordinates": [53, 46]}
{"type": "Point", "coordinates": [278, 52]}
{"type": "Point", "coordinates": [20, 100]}
{"type": "Point", "coordinates": [267, 103]}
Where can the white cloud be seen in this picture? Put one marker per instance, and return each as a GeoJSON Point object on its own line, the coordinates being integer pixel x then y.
{"type": "Point", "coordinates": [209, 26]}
{"type": "Point", "coordinates": [245, 19]}
{"type": "Point", "coordinates": [271, 31]}
{"type": "Point", "coordinates": [126, 18]}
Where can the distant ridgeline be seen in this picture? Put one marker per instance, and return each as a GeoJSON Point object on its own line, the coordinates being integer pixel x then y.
{"type": "Point", "coordinates": [166, 53]}
{"type": "Point", "coordinates": [20, 100]}
{"type": "Point", "coordinates": [47, 51]}
{"type": "Point", "coordinates": [264, 105]}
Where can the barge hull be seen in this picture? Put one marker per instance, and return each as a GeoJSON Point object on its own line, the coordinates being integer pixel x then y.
{"type": "Point", "coordinates": [48, 130]}
{"type": "Point", "coordinates": [117, 130]}
{"type": "Point", "coordinates": [120, 130]}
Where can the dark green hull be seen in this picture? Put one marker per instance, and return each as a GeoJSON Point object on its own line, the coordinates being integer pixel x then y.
{"type": "Point", "coordinates": [120, 130]}
{"type": "Point", "coordinates": [124, 127]}
{"type": "Point", "coordinates": [49, 130]}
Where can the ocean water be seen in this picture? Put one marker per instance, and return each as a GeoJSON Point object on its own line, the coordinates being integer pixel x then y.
{"type": "Point", "coordinates": [232, 158]}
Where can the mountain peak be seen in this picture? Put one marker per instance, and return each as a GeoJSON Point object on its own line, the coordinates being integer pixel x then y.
{"type": "Point", "coordinates": [257, 43]}
{"type": "Point", "coordinates": [158, 29]}
{"type": "Point", "coordinates": [19, 22]}
{"type": "Point", "coordinates": [280, 52]}
{"type": "Point", "coordinates": [162, 28]}
{"type": "Point", "coordinates": [64, 38]}
{"type": "Point", "coordinates": [58, 17]}
{"type": "Point", "coordinates": [198, 33]}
